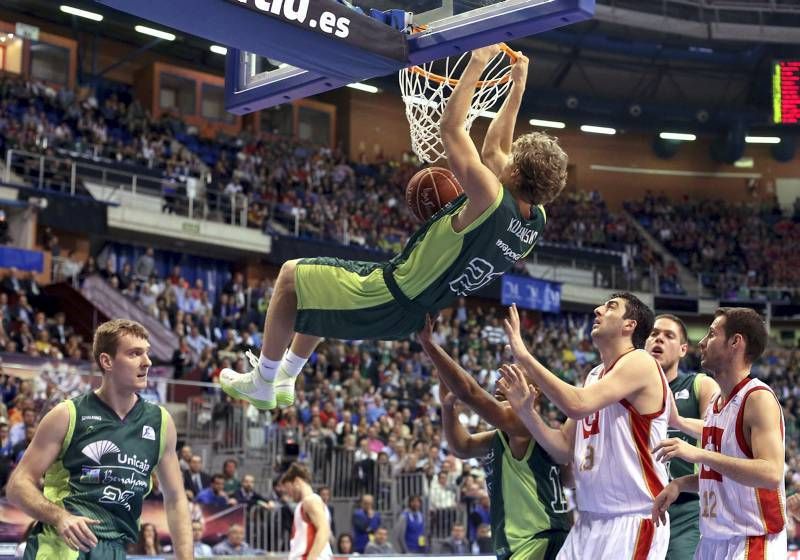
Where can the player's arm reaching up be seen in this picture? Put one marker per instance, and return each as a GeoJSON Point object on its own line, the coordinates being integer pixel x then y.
{"type": "Point", "coordinates": [480, 184]}
{"type": "Point", "coordinates": [466, 389]}
{"type": "Point", "coordinates": [579, 402]}
{"type": "Point", "coordinates": [497, 144]}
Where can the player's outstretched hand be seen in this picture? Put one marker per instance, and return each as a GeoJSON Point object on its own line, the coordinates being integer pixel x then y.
{"type": "Point", "coordinates": [671, 448]}
{"type": "Point", "coordinates": [662, 502]}
{"type": "Point", "coordinates": [793, 506]}
{"type": "Point", "coordinates": [76, 532]}
{"type": "Point", "coordinates": [519, 70]}
{"type": "Point", "coordinates": [425, 336]}
{"type": "Point", "coordinates": [515, 343]}
{"type": "Point", "coordinates": [520, 394]}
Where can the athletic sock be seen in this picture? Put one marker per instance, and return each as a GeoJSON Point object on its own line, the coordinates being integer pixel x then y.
{"type": "Point", "coordinates": [267, 368]}
{"type": "Point", "coordinates": [292, 364]}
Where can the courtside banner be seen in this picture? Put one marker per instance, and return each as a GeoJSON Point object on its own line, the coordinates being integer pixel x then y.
{"type": "Point", "coordinates": [331, 19]}
{"type": "Point", "coordinates": [531, 293]}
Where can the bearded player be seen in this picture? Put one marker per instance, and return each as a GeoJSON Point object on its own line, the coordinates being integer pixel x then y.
{"type": "Point", "coordinates": [740, 482]}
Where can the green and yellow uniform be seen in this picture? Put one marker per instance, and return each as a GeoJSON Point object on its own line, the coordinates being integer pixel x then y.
{"type": "Point", "coordinates": [367, 300]}
{"type": "Point", "coordinates": [684, 514]}
{"type": "Point", "coordinates": [103, 472]}
{"type": "Point", "coordinates": [529, 511]}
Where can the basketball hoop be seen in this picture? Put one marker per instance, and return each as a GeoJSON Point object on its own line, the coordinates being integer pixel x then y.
{"type": "Point", "coordinates": [426, 89]}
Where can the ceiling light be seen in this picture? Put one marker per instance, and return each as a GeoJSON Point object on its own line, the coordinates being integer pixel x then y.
{"type": "Point", "coordinates": [762, 139]}
{"type": "Point", "coordinates": [82, 13]}
{"type": "Point", "coordinates": [681, 136]}
{"type": "Point", "coordinates": [547, 124]}
{"type": "Point", "coordinates": [363, 87]}
{"type": "Point", "coordinates": [218, 49]}
{"type": "Point", "coordinates": [598, 129]}
{"type": "Point", "coordinates": [155, 33]}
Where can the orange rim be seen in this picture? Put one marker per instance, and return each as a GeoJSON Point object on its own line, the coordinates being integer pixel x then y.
{"type": "Point", "coordinates": [512, 56]}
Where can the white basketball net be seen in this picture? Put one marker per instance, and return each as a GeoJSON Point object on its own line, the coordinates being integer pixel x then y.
{"type": "Point", "coordinates": [427, 88]}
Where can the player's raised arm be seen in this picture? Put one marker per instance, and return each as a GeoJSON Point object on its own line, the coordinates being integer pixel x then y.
{"type": "Point", "coordinates": [467, 390]}
{"type": "Point", "coordinates": [559, 443]}
{"type": "Point", "coordinates": [497, 145]}
{"type": "Point", "coordinates": [480, 184]}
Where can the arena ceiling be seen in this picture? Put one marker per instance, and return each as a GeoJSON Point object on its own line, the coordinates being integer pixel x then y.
{"type": "Point", "coordinates": [647, 54]}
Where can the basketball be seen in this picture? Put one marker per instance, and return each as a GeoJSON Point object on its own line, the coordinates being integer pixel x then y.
{"type": "Point", "coordinates": [429, 190]}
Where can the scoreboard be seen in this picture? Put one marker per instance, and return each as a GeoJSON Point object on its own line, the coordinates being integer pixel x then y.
{"type": "Point", "coordinates": [786, 92]}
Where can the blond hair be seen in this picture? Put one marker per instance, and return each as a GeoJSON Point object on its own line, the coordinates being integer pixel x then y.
{"type": "Point", "coordinates": [542, 166]}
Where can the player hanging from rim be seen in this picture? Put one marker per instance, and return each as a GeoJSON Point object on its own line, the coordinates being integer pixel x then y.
{"type": "Point", "coordinates": [692, 393]}
{"type": "Point", "coordinates": [463, 247]}
{"type": "Point", "coordinates": [614, 421]}
{"type": "Point", "coordinates": [528, 509]}
{"type": "Point", "coordinates": [740, 482]}
{"type": "Point", "coordinates": [97, 454]}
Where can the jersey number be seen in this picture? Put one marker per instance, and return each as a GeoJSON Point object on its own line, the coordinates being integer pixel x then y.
{"type": "Point", "coordinates": [559, 503]}
{"type": "Point", "coordinates": [708, 506]}
{"type": "Point", "coordinates": [588, 459]}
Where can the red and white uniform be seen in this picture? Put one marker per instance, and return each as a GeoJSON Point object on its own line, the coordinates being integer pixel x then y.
{"type": "Point", "coordinates": [737, 521]}
{"type": "Point", "coordinates": [617, 479]}
{"type": "Point", "coordinates": [303, 533]}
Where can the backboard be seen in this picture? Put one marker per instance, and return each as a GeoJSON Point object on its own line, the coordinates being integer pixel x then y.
{"type": "Point", "coordinates": [279, 50]}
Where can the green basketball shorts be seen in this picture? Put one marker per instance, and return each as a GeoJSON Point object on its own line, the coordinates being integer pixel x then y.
{"type": "Point", "coordinates": [47, 545]}
{"type": "Point", "coordinates": [350, 300]}
{"type": "Point", "coordinates": [684, 530]}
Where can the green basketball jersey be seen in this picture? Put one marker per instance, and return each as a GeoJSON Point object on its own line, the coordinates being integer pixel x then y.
{"type": "Point", "coordinates": [439, 264]}
{"type": "Point", "coordinates": [686, 389]}
{"type": "Point", "coordinates": [526, 498]}
{"type": "Point", "coordinates": [105, 466]}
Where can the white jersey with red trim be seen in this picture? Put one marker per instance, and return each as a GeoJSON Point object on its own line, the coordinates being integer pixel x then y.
{"type": "Point", "coordinates": [303, 533]}
{"type": "Point", "coordinates": [615, 472]}
{"type": "Point", "coordinates": [728, 508]}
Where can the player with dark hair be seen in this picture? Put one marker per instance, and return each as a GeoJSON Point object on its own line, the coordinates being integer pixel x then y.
{"type": "Point", "coordinates": [463, 247]}
{"type": "Point", "coordinates": [741, 462]}
{"type": "Point", "coordinates": [614, 421]}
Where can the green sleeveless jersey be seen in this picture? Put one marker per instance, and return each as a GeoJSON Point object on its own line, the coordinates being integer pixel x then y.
{"type": "Point", "coordinates": [686, 389]}
{"type": "Point", "coordinates": [438, 264]}
{"type": "Point", "coordinates": [526, 498]}
{"type": "Point", "coordinates": [106, 464]}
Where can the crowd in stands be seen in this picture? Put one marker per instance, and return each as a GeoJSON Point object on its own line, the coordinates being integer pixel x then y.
{"type": "Point", "coordinates": [24, 326]}
{"type": "Point", "coordinates": [736, 248]}
{"type": "Point", "coordinates": [378, 400]}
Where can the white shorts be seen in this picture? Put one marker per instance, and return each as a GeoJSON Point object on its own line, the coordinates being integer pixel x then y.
{"type": "Point", "coordinates": [619, 537]}
{"type": "Point", "coordinates": [764, 547]}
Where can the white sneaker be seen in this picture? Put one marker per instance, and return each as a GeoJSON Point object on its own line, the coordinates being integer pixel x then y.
{"type": "Point", "coordinates": [284, 388]}
{"type": "Point", "coordinates": [249, 386]}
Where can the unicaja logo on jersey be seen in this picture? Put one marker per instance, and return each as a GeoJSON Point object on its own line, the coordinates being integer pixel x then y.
{"type": "Point", "coordinates": [97, 449]}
